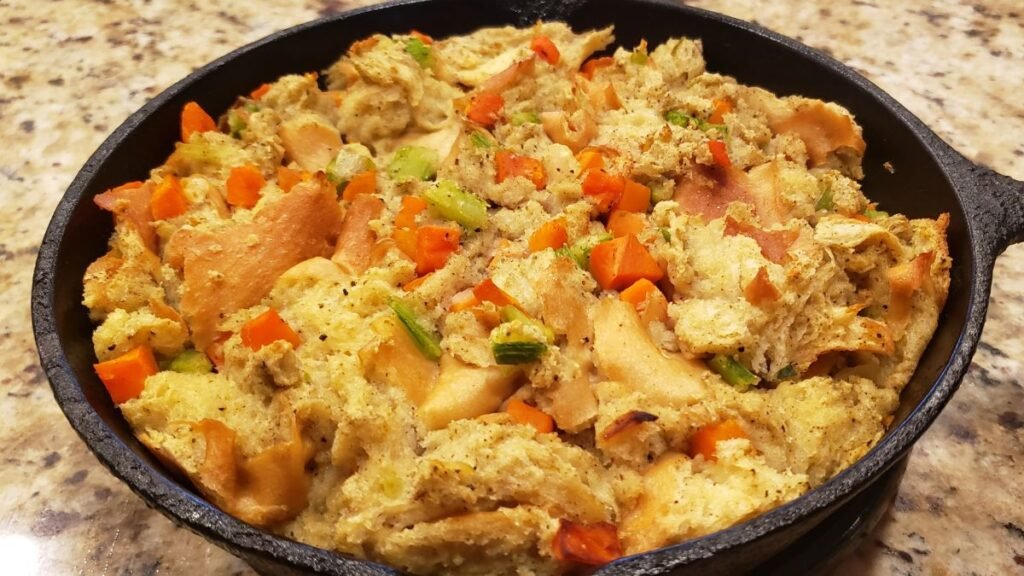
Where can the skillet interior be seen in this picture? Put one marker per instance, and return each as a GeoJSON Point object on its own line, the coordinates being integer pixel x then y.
{"type": "Point", "coordinates": [919, 186]}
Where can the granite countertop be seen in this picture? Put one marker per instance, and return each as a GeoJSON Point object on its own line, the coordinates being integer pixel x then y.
{"type": "Point", "coordinates": [73, 70]}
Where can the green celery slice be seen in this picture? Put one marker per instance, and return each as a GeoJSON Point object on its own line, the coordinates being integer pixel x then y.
{"type": "Point", "coordinates": [412, 163]}
{"type": "Point", "coordinates": [733, 372]}
{"type": "Point", "coordinates": [419, 51]}
{"type": "Point", "coordinates": [426, 340]}
{"type": "Point", "coordinates": [518, 352]}
{"type": "Point", "coordinates": [825, 201]}
{"type": "Point", "coordinates": [454, 203]}
{"type": "Point", "coordinates": [580, 250]}
{"type": "Point", "coordinates": [786, 373]}
{"type": "Point", "coordinates": [520, 118]}
{"type": "Point", "coordinates": [191, 362]}
{"type": "Point", "coordinates": [480, 141]}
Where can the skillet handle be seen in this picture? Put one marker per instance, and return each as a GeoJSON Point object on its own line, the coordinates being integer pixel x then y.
{"type": "Point", "coordinates": [996, 203]}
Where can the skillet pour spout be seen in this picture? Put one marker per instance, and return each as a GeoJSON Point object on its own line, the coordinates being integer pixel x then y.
{"type": "Point", "coordinates": [907, 168]}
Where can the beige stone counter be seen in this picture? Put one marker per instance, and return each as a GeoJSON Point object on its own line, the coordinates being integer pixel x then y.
{"type": "Point", "coordinates": [71, 71]}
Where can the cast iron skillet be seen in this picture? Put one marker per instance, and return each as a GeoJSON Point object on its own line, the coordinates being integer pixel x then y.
{"type": "Point", "coordinates": [929, 177]}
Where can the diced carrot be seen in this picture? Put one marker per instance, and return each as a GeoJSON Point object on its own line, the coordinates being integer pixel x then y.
{"type": "Point", "coordinates": [259, 92]}
{"type": "Point", "coordinates": [362, 183]}
{"type": "Point", "coordinates": [485, 107]}
{"type": "Point", "coordinates": [195, 119]}
{"type": "Point", "coordinates": [168, 199]}
{"type": "Point", "coordinates": [604, 187]}
{"type": "Point", "coordinates": [288, 178]}
{"type": "Point", "coordinates": [421, 37]}
{"type": "Point", "coordinates": [405, 239]}
{"type": "Point", "coordinates": [637, 293]}
{"type": "Point", "coordinates": [488, 291]}
{"type": "Point", "coordinates": [622, 223]}
{"type": "Point", "coordinates": [546, 49]}
{"type": "Point", "coordinates": [719, 153]}
{"type": "Point", "coordinates": [266, 328]}
{"type": "Point", "coordinates": [705, 440]}
{"type": "Point", "coordinates": [551, 234]}
{"type": "Point", "coordinates": [619, 263]}
{"type": "Point", "coordinates": [464, 300]}
{"type": "Point", "coordinates": [760, 290]}
{"type": "Point", "coordinates": [510, 165]}
{"type": "Point", "coordinates": [523, 413]}
{"type": "Point", "coordinates": [415, 282]}
{"type": "Point", "coordinates": [411, 207]}
{"type": "Point", "coordinates": [244, 185]}
{"type": "Point", "coordinates": [635, 197]}
{"type": "Point", "coordinates": [590, 66]}
{"type": "Point", "coordinates": [125, 376]}
{"type": "Point", "coordinates": [590, 158]}
{"type": "Point", "coordinates": [722, 107]}
{"type": "Point", "coordinates": [434, 244]}
{"type": "Point", "coordinates": [590, 544]}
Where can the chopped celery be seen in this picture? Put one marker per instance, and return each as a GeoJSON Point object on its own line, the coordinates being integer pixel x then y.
{"type": "Point", "coordinates": [480, 141]}
{"type": "Point", "coordinates": [427, 341]}
{"type": "Point", "coordinates": [875, 214]}
{"type": "Point", "coordinates": [236, 124]}
{"type": "Point", "coordinates": [638, 58]}
{"type": "Point", "coordinates": [786, 373]}
{"type": "Point", "coordinates": [453, 203]}
{"type": "Point", "coordinates": [666, 234]}
{"type": "Point", "coordinates": [352, 159]}
{"type": "Point", "coordinates": [520, 118]}
{"type": "Point", "coordinates": [580, 250]}
{"type": "Point", "coordinates": [680, 118]}
{"type": "Point", "coordinates": [825, 201]}
{"type": "Point", "coordinates": [191, 362]}
{"type": "Point", "coordinates": [733, 372]}
{"type": "Point", "coordinates": [513, 314]}
{"type": "Point", "coordinates": [413, 163]}
{"type": "Point", "coordinates": [517, 342]}
{"type": "Point", "coordinates": [518, 352]}
{"type": "Point", "coordinates": [419, 51]}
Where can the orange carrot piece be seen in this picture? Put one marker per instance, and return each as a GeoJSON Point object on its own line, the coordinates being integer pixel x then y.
{"type": "Point", "coordinates": [591, 66]}
{"type": "Point", "coordinates": [259, 92]}
{"type": "Point", "coordinates": [488, 291]}
{"type": "Point", "coordinates": [760, 290]}
{"type": "Point", "coordinates": [421, 37]}
{"type": "Point", "coordinates": [125, 376]}
{"type": "Point", "coordinates": [405, 239]}
{"type": "Point", "coordinates": [546, 49]}
{"type": "Point", "coordinates": [266, 328]}
{"type": "Point", "coordinates": [590, 158]}
{"type": "Point", "coordinates": [551, 234]}
{"type": "Point", "coordinates": [705, 440]}
{"type": "Point", "coordinates": [288, 178]}
{"type": "Point", "coordinates": [593, 544]}
{"type": "Point", "coordinates": [485, 107]}
{"type": "Point", "coordinates": [619, 263]}
{"type": "Point", "coordinates": [434, 244]}
{"type": "Point", "coordinates": [523, 413]}
{"type": "Point", "coordinates": [722, 107]}
{"type": "Point", "coordinates": [195, 119]}
{"type": "Point", "coordinates": [622, 223]}
{"type": "Point", "coordinates": [416, 282]}
{"type": "Point", "coordinates": [719, 153]}
{"type": "Point", "coordinates": [635, 197]}
{"type": "Point", "coordinates": [411, 207]}
{"type": "Point", "coordinates": [604, 187]}
{"type": "Point", "coordinates": [168, 199]}
{"type": "Point", "coordinates": [637, 293]}
{"type": "Point", "coordinates": [362, 183]}
{"type": "Point", "coordinates": [244, 185]}
{"type": "Point", "coordinates": [510, 165]}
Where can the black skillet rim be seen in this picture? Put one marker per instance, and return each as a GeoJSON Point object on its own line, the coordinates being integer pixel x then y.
{"type": "Point", "coordinates": [185, 508]}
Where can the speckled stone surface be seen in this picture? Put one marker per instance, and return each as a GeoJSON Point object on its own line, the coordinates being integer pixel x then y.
{"type": "Point", "coordinates": [71, 71]}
